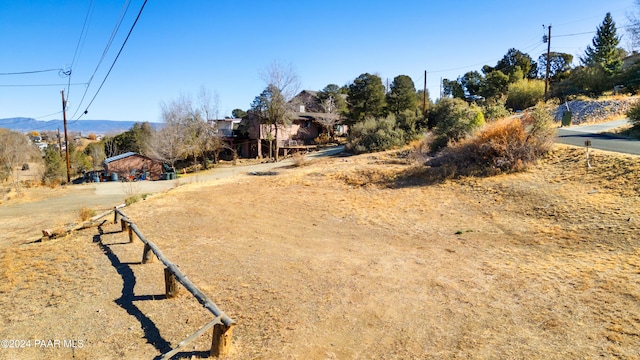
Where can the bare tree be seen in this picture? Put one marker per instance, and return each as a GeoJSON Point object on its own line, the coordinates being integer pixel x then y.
{"type": "Point", "coordinates": [276, 109]}
{"type": "Point", "coordinates": [15, 150]}
{"type": "Point", "coordinates": [187, 131]}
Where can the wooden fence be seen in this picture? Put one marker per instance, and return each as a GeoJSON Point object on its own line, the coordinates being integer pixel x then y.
{"type": "Point", "coordinates": [222, 324]}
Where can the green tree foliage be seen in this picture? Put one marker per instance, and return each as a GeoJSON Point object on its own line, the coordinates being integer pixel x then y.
{"type": "Point", "coordinates": [333, 100]}
{"type": "Point", "coordinates": [454, 120]}
{"type": "Point", "coordinates": [452, 88]}
{"type": "Point", "coordinates": [238, 113]}
{"type": "Point", "coordinates": [496, 84]}
{"type": "Point", "coordinates": [55, 168]}
{"type": "Point", "coordinates": [559, 66]}
{"type": "Point", "coordinates": [402, 95]}
{"type": "Point", "coordinates": [515, 61]}
{"type": "Point", "coordinates": [366, 98]}
{"type": "Point", "coordinates": [373, 134]}
{"type": "Point", "coordinates": [135, 139]}
{"type": "Point", "coordinates": [604, 49]}
{"type": "Point", "coordinates": [524, 94]}
{"type": "Point", "coordinates": [584, 80]}
{"type": "Point", "coordinates": [472, 81]}
{"type": "Point", "coordinates": [495, 111]}
{"type": "Point", "coordinates": [96, 153]}
{"type": "Point", "coordinates": [271, 108]}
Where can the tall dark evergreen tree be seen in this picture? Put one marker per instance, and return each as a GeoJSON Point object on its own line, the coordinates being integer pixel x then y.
{"type": "Point", "coordinates": [366, 98]}
{"type": "Point", "coordinates": [402, 95]}
{"type": "Point", "coordinates": [604, 49]}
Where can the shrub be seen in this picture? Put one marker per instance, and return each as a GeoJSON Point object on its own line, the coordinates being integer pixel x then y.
{"type": "Point", "coordinates": [298, 159]}
{"type": "Point", "coordinates": [634, 115]}
{"type": "Point", "coordinates": [455, 120]}
{"type": "Point", "coordinates": [509, 144]}
{"type": "Point", "coordinates": [131, 200]}
{"type": "Point", "coordinates": [495, 111]}
{"type": "Point", "coordinates": [85, 214]}
{"type": "Point", "coordinates": [375, 135]}
{"type": "Point", "coordinates": [525, 94]}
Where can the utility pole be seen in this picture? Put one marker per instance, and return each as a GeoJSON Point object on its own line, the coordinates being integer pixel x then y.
{"type": "Point", "coordinates": [66, 137]}
{"type": "Point", "coordinates": [424, 94]}
{"type": "Point", "coordinates": [546, 77]}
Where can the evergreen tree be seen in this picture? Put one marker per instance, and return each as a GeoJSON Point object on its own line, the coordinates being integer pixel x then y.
{"type": "Point", "coordinates": [366, 98]}
{"type": "Point", "coordinates": [402, 95]}
{"type": "Point", "coordinates": [604, 51]}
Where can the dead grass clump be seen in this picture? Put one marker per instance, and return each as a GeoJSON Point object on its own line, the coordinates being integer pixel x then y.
{"type": "Point", "coordinates": [298, 159]}
{"type": "Point", "coordinates": [507, 145]}
{"type": "Point", "coordinates": [85, 214]}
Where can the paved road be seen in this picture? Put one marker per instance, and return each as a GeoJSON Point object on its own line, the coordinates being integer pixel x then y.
{"type": "Point", "coordinates": [577, 135]}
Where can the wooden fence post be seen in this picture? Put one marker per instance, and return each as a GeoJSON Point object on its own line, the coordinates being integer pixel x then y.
{"type": "Point", "coordinates": [170, 284]}
{"type": "Point", "coordinates": [221, 341]}
{"type": "Point", "coordinates": [147, 254]}
{"type": "Point", "coordinates": [115, 215]}
{"type": "Point", "coordinates": [130, 234]}
{"type": "Point", "coordinates": [124, 225]}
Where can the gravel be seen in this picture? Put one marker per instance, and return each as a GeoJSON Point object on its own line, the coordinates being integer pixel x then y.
{"type": "Point", "coordinates": [584, 111]}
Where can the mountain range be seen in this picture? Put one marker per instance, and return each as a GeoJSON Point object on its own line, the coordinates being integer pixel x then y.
{"type": "Point", "coordinates": [103, 127]}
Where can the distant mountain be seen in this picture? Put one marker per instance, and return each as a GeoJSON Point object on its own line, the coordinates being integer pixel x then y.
{"type": "Point", "coordinates": [103, 127]}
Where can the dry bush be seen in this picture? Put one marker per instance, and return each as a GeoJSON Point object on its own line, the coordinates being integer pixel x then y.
{"type": "Point", "coordinates": [85, 214]}
{"type": "Point", "coordinates": [506, 145]}
{"type": "Point", "coordinates": [298, 159]}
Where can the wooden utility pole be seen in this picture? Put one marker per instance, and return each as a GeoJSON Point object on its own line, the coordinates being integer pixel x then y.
{"type": "Point", "coordinates": [546, 77]}
{"type": "Point", "coordinates": [424, 94]}
{"type": "Point", "coordinates": [66, 138]}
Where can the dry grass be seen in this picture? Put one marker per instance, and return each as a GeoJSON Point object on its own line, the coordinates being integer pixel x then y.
{"type": "Point", "coordinates": [338, 260]}
{"type": "Point", "coordinates": [85, 214]}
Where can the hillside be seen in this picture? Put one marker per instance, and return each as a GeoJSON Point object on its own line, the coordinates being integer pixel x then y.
{"type": "Point", "coordinates": [355, 257]}
{"type": "Point", "coordinates": [84, 126]}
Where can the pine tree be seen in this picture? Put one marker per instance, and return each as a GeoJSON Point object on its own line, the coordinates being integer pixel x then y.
{"type": "Point", "coordinates": [605, 50]}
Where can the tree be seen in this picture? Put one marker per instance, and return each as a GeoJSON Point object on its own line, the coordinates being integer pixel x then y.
{"type": "Point", "coordinates": [472, 82]}
{"type": "Point", "coordinates": [452, 88]}
{"type": "Point", "coordinates": [496, 84]}
{"type": "Point", "coordinates": [96, 152]}
{"type": "Point", "coordinates": [271, 109]}
{"type": "Point", "coordinates": [15, 150]}
{"type": "Point", "coordinates": [515, 59]}
{"type": "Point", "coordinates": [524, 94]}
{"type": "Point", "coordinates": [402, 95]}
{"type": "Point", "coordinates": [634, 26]}
{"type": "Point", "coordinates": [238, 113]}
{"type": "Point", "coordinates": [604, 49]}
{"type": "Point", "coordinates": [333, 105]}
{"type": "Point", "coordinates": [559, 65]}
{"type": "Point", "coordinates": [273, 106]}
{"type": "Point", "coordinates": [55, 166]}
{"type": "Point", "coordinates": [366, 98]}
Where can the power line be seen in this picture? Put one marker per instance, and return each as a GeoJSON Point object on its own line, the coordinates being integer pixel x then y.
{"type": "Point", "coordinates": [78, 45]}
{"type": "Point", "coordinates": [40, 85]}
{"type": "Point", "coordinates": [115, 30]}
{"type": "Point", "coordinates": [29, 72]}
{"type": "Point", "coordinates": [116, 59]}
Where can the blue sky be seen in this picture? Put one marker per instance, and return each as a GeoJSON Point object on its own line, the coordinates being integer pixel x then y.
{"type": "Point", "coordinates": [179, 46]}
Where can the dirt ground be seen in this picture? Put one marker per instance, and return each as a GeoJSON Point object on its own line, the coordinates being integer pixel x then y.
{"type": "Point", "coordinates": [351, 258]}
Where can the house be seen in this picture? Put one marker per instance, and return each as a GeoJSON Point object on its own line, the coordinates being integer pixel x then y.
{"type": "Point", "coordinates": [225, 127]}
{"type": "Point", "coordinates": [309, 121]}
{"type": "Point", "coordinates": [133, 164]}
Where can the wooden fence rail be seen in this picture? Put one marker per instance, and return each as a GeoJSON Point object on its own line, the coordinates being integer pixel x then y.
{"type": "Point", "coordinates": [222, 324]}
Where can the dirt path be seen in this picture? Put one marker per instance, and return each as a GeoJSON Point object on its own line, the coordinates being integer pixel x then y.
{"type": "Point", "coordinates": [331, 261]}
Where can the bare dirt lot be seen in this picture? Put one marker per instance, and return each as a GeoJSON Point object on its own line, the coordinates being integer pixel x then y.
{"type": "Point", "coordinates": [351, 258]}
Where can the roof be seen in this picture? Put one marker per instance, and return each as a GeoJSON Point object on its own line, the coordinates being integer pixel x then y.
{"type": "Point", "coordinates": [119, 157]}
